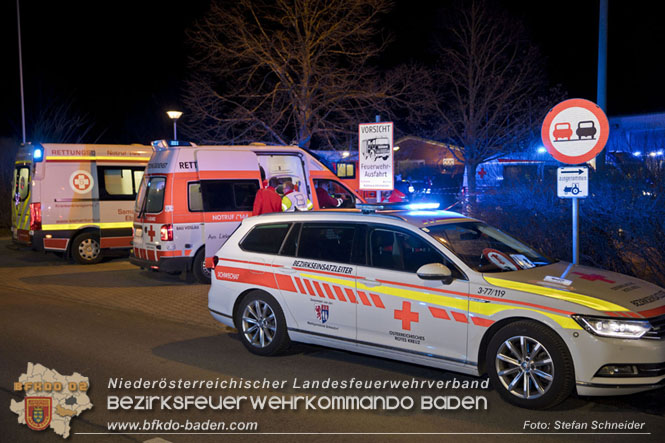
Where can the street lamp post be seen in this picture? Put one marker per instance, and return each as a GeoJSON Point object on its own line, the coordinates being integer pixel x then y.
{"type": "Point", "coordinates": [174, 115]}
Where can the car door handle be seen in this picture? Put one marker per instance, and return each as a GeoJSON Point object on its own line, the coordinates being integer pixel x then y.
{"type": "Point", "coordinates": [370, 283]}
{"type": "Point", "coordinates": [477, 300]}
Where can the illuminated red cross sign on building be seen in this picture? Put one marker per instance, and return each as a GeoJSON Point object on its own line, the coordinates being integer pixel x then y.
{"type": "Point", "coordinates": [151, 233]}
{"type": "Point", "coordinates": [81, 182]}
{"type": "Point", "coordinates": [593, 277]}
{"type": "Point", "coordinates": [406, 315]}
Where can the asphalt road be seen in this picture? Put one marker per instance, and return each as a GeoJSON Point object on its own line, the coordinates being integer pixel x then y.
{"type": "Point", "coordinates": [112, 320]}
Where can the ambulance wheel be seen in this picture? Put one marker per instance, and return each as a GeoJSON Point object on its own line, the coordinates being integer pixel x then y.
{"type": "Point", "coordinates": [261, 324]}
{"type": "Point", "coordinates": [530, 365]}
{"type": "Point", "coordinates": [86, 249]}
{"type": "Point", "coordinates": [201, 273]}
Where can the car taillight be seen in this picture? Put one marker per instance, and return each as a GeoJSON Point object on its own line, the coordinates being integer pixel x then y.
{"type": "Point", "coordinates": [166, 232]}
{"type": "Point", "coordinates": [35, 216]}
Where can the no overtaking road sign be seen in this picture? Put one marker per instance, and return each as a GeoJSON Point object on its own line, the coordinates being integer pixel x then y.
{"type": "Point", "coordinates": [575, 131]}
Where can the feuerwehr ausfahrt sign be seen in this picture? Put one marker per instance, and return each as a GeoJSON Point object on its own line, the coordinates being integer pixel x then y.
{"type": "Point", "coordinates": [375, 156]}
{"type": "Point", "coordinates": [575, 131]}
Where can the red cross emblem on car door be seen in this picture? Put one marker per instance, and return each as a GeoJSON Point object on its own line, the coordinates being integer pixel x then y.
{"type": "Point", "coordinates": [406, 315]}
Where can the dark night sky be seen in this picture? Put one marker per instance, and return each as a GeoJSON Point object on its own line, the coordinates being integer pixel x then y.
{"type": "Point", "coordinates": [124, 61]}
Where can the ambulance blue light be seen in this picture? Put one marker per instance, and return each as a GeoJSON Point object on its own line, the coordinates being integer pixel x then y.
{"type": "Point", "coordinates": [38, 153]}
{"type": "Point", "coordinates": [542, 150]}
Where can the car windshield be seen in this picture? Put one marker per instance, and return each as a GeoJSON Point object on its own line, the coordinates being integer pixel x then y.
{"type": "Point", "coordinates": [486, 249]}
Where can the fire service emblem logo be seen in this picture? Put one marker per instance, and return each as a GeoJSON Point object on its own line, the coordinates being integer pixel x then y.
{"type": "Point", "coordinates": [38, 412]}
{"type": "Point", "coordinates": [322, 313]}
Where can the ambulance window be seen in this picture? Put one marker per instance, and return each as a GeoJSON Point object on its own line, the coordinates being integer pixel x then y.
{"type": "Point", "coordinates": [265, 238]}
{"type": "Point", "coordinates": [155, 198]}
{"type": "Point", "coordinates": [21, 182]}
{"type": "Point", "coordinates": [326, 242]}
{"type": "Point", "coordinates": [141, 195]}
{"type": "Point", "coordinates": [194, 198]}
{"type": "Point", "coordinates": [333, 194]}
{"type": "Point", "coordinates": [138, 176]}
{"type": "Point", "coordinates": [346, 170]}
{"type": "Point", "coordinates": [118, 183]}
{"type": "Point", "coordinates": [228, 195]}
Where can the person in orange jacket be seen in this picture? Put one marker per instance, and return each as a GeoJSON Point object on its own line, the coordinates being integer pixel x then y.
{"type": "Point", "coordinates": [396, 196]}
{"type": "Point", "coordinates": [267, 200]}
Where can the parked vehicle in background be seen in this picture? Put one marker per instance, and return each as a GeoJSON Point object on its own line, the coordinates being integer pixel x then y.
{"type": "Point", "coordinates": [76, 199]}
{"type": "Point", "coordinates": [193, 197]}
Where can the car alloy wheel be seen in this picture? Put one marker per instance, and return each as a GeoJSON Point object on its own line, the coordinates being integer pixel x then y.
{"type": "Point", "coordinates": [530, 365]}
{"type": "Point", "coordinates": [525, 367]}
{"type": "Point", "coordinates": [259, 324]}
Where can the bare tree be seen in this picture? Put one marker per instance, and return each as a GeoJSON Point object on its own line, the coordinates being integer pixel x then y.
{"type": "Point", "coordinates": [287, 71]}
{"type": "Point", "coordinates": [58, 121]}
{"type": "Point", "coordinates": [487, 84]}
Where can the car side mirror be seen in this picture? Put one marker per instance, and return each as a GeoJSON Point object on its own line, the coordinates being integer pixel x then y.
{"type": "Point", "coordinates": [435, 271]}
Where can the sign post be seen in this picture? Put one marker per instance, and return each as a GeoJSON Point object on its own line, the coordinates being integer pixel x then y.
{"type": "Point", "coordinates": [375, 156]}
{"type": "Point", "coordinates": [574, 132]}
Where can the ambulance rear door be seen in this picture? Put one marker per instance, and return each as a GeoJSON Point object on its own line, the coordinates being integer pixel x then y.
{"type": "Point", "coordinates": [229, 180]}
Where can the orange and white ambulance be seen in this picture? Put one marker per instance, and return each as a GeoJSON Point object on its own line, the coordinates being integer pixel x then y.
{"type": "Point", "coordinates": [76, 199]}
{"type": "Point", "coordinates": [193, 197]}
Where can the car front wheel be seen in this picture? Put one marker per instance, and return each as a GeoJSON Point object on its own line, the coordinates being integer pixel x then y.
{"type": "Point", "coordinates": [530, 365]}
{"type": "Point", "coordinates": [261, 324]}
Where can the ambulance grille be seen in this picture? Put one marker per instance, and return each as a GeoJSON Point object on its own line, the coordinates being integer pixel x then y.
{"type": "Point", "coordinates": [657, 331]}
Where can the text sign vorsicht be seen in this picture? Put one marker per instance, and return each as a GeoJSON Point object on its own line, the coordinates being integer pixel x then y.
{"type": "Point", "coordinates": [572, 182]}
{"type": "Point", "coordinates": [375, 156]}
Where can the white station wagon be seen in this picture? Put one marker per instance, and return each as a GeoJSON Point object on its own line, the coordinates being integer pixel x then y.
{"type": "Point", "coordinates": [443, 290]}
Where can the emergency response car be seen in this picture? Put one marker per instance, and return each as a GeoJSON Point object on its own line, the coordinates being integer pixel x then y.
{"type": "Point", "coordinates": [443, 290]}
{"type": "Point", "coordinates": [193, 197]}
{"type": "Point", "coordinates": [76, 199]}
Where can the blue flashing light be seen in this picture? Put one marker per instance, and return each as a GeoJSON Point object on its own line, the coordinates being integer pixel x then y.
{"type": "Point", "coordinates": [637, 153]}
{"type": "Point", "coordinates": [161, 145]}
{"type": "Point", "coordinates": [179, 143]}
{"type": "Point", "coordinates": [422, 206]}
{"type": "Point", "coordinates": [38, 153]}
{"type": "Point", "coordinates": [542, 150]}
{"type": "Point", "coordinates": [431, 213]}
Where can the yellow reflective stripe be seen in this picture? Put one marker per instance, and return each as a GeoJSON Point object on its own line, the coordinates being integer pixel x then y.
{"type": "Point", "coordinates": [580, 299]}
{"type": "Point", "coordinates": [63, 226]}
{"type": "Point", "coordinates": [418, 295]}
{"type": "Point", "coordinates": [23, 214]}
{"type": "Point", "coordinates": [489, 309]}
{"type": "Point", "coordinates": [97, 158]}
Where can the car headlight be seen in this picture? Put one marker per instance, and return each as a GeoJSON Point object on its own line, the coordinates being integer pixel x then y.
{"type": "Point", "coordinates": [613, 327]}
